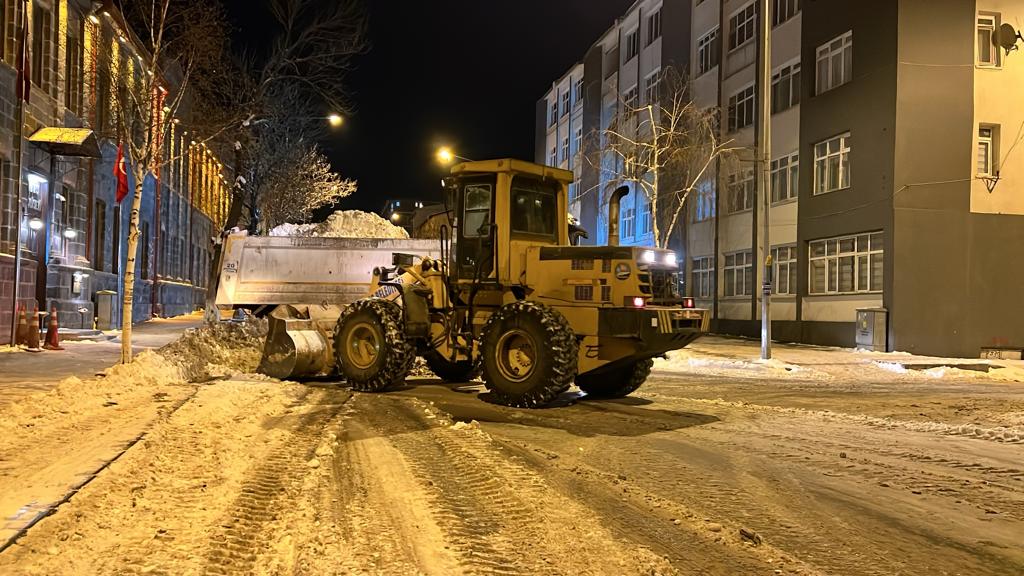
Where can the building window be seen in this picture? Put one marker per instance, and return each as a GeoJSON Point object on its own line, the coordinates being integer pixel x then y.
{"type": "Point", "coordinates": [115, 245]}
{"type": "Point", "coordinates": [553, 116]}
{"type": "Point", "coordinates": [553, 157]}
{"type": "Point", "coordinates": [784, 270]}
{"type": "Point", "coordinates": [848, 264]}
{"type": "Point", "coordinates": [576, 190]}
{"type": "Point", "coordinates": [73, 66]}
{"type": "Point", "coordinates": [786, 88]}
{"type": "Point", "coordinates": [741, 109]}
{"type": "Point", "coordinates": [632, 44]}
{"type": "Point", "coordinates": [784, 10]}
{"type": "Point", "coordinates": [703, 272]}
{"type": "Point", "coordinates": [651, 87]}
{"type": "Point", "coordinates": [835, 63]}
{"type": "Point", "coordinates": [646, 223]}
{"type": "Point", "coordinates": [739, 274]}
{"type": "Point", "coordinates": [42, 46]}
{"type": "Point", "coordinates": [565, 149]}
{"type": "Point", "coordinates": [144, 251]}
{"type": "Point", "coordinates": [566, 103]}
{"type": "Point", "coordinates": [785, 178]}
{"type": "Point", "coordinates": [709, 51]}
{"type": "Point", "coordinates": [832, 164]}
{"type": "Point", "coordinates": [579, 140]}
{"type": "Point", "coordinates": [99, 235]}
{"type": "Point", "coordinates": [629, 222]}
{"type": "Point", "coordinates": [988, 139]}
{"type": "Point", "coordinates": [740, 191]}
{"type": "Point", "coordinates": [653, 27]}
{"type": "Point", "coordinates": [742, 26]}
{"type": "Point", "coordinates": [705, 208]}
{"type": "Point", "coordinates": [578, 91]}
{"type": "Point", "coordinates": [629, 97]}
{"type": "Point", "coordinates": [988, 51]}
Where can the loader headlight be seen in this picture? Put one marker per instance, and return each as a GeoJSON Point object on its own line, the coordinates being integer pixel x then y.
{"type": "Point", "coordinates": [647, 256]}
{"type": "Point", "coordinates": [670, 259]}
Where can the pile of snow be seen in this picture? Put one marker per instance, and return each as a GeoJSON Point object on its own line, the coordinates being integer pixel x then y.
{"type": "Point", "coordinates": [345, 224]}
{"type": "Point", "coordinates": [218, 349]}
{"type": "Point", "coordinates": [692, 361]}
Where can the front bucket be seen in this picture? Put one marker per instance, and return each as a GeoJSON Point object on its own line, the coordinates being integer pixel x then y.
{"type": "Point", "coordinates": [294, 347]}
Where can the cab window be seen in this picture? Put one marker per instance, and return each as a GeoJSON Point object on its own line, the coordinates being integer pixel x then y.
{"type": "Point", "coordinates": [533, 207]}
{"type": "Point", "coordinates": [476, 210]}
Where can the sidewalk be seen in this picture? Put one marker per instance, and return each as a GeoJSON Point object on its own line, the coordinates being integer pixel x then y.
{"type": "Point", "coordinates": [720, 355]}
{"type": "Point", "coordinates": [23, 373]}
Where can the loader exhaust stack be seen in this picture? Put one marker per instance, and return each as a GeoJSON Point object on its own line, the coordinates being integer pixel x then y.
{"type": "Point", "coordinates": [613, 214]}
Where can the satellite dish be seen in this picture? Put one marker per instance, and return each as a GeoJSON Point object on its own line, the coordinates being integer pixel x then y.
{"type": "Point", "coordinates": [1006, 37]}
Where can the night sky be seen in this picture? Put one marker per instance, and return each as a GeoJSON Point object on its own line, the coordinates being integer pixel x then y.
{"type": "Point", "coordinates": [464, 73]}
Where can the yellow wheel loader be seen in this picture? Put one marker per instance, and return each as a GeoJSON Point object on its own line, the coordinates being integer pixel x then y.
{"type": "Point", "coordinates": [510, 298]}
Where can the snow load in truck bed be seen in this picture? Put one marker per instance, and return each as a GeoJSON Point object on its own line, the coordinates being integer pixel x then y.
{"type": "Point", "coordinates": [344, 224]}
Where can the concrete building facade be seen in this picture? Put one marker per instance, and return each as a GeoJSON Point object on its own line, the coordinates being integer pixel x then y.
{"type": "Point", "coordinates": [183, 206]}
{"type": "Point", "coordinates": [894, 134]}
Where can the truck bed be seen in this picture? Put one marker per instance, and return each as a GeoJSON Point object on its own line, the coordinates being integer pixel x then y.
{"type": "Point", "coordinates": [272, 270]}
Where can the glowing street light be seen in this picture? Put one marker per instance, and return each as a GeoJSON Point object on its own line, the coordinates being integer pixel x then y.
{"type": "Point", "coordinates": [446, 156]}
{"type": "Point", "coordinates": [335, 120]}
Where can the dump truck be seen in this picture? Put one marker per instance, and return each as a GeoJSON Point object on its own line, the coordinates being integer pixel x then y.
{"type": "Point", "coordinates": [501, 293]}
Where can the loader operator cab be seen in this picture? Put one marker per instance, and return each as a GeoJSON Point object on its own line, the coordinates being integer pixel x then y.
{"type": "Point", "coordinates": [495, 205]}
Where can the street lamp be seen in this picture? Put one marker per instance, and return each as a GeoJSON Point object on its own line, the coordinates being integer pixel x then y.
{"type": "Point", "coordinates": [335, 120]}
{"type": "Point", "coordinates": [446, 156]}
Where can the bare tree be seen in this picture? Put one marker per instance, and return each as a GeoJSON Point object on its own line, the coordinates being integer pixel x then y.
{"type": "Point", "coordinates": [301, 183]}
{"type": "Point", "coordinates": [665, 148]}
{"type": "Point", "coordinates": [168, 56]}
{"type": "Point", "coordinates": [291, 93]}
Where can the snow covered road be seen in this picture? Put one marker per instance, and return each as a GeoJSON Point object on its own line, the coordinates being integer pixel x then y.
{"type": "Point", "coordinates": [697, 473]}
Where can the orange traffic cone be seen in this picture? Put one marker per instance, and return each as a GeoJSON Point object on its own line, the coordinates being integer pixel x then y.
{"type": "Point", "coordinates": [22, 333]}
{"type": "Point", "coordinates": [33, 332]}
{"type": "Point", "coordinates": [53, 331]}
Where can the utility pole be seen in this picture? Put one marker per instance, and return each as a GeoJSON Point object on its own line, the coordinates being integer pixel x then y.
{"type": "Point", "coordinates": [764, 158]}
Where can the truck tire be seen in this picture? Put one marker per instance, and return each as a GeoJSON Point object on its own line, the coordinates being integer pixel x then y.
{"type": "Point", "coordinates": [445, 369]}
{"type": "Point", "coordinates": [616, 383]}
{"type": "Point", "coordinates": [370, 348]}
{"type": "Point", "coordinates": [529, 354]}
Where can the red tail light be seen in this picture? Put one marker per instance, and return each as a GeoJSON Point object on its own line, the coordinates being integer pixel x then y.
{"type": "Point", "coordinates": [689, 303]}
{"type": "Point", "coordinates": [638, 302]}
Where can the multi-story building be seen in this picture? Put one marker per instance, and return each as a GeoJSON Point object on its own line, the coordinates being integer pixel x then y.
{"type": "Point", "coordinates": [73, 231]}
{"type": "Point", "coordinates": [894, 135]}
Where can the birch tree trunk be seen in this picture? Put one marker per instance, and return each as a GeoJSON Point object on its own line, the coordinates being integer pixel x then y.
{"type": "Point", "coordinates": [129, 267]}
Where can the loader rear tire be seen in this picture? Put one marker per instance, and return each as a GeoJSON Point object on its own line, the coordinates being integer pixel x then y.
{"type": "Point", "coordinates": [370, 348]}
{"type": "Point", "coordinates": [529, 354]}
{"type": "Point", "coordinates": [445, 369]}
{"type": "Point", "coordinates": [617, 383]}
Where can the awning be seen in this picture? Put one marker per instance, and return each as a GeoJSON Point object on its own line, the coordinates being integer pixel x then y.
{"type": "Point", "coordinates": [80, 142]}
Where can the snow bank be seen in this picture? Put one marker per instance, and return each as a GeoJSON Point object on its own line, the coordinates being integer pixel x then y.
{"type": "Point", "coordinates": [218, 349]}
{"type": "Point", "coordinates": [345, 224]}
{"type": "Point", "coordinates": [688, 360]}
{"type": "Point", "coordinates": [73, 399]}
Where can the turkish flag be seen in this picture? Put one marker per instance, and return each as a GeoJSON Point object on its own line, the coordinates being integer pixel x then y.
{"type": "Point", "coordinates": [121, 172]}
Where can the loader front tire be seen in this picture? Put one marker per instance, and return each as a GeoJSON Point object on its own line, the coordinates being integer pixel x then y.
{"type": "Point", "coordinates": [529, 354]}
{"type": "Point", "coordinates": [370, 348]}
{"type": "Point", "coordinates": [445, 369]}
{"type": "Point", "coordinates": [617, 383]}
